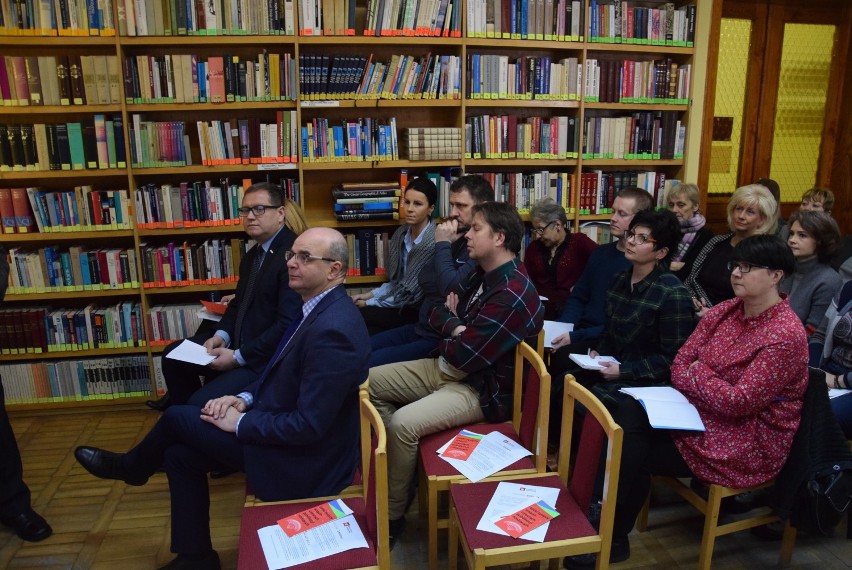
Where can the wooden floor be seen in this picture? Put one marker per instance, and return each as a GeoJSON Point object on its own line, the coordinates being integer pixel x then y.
{"type": "Point", "coordinates": [108, 525]}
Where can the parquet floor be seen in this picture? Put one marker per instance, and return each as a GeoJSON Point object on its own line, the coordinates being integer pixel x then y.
{"type": "Point", "coordinates": [108, 525]}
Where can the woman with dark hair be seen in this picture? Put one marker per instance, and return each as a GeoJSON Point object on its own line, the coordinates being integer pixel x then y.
{"type": "Point", "coordinates": [395, 303]}
{"type": "Point", "coordinates": [555, 259]}
{"type": "Point", "coordinates": [745, 370]}
{"type": "Point", "coordinates": [684, 201]}
{"type": "Point", "coordinates": [813, 238]}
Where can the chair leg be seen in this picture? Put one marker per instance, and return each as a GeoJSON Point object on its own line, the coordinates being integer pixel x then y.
{"type": "Point", "coordinates": [787, 542]}
{"type": "Point", "coordinates": [453, 546]}
{"type": "Point", "coordinates": [642, 519]}
{"type": "Point", "coordinates": [711, 523]}
{"type": "Point", "coordinates": [849, 523]}
{"type": "Point", "coordinates": [432, 523]}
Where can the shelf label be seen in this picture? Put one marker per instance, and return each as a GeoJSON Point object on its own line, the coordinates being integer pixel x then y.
{"type": "Point", "coordinates": [277, 166]}
{"type": "Point", "coordinates": [320, 104]}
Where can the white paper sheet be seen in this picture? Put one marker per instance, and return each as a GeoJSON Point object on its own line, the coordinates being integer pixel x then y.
{"type": "Point", "coordinates": [511, 497]}
{"type": "Point", "coordinates": [208, 316]}
{"type": "Point", "coordinates": [191, 352]}
{"type": "Point", "coordinates": [333, 537]}
{"type": "Point", "coordinates": [553, 329]}
{"type": "Point", "coordinates": [591, 363]}
{"type": "Point", "coordinates": [494, 452]}
{"type": "Point", "coordinates": [837, 392]}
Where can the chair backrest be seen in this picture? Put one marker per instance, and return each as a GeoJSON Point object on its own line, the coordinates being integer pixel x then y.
{"type": "Point", "coordinates": [597, 426]}
{"type": "Point", "coordinates": [532, 377]}
{"type": "Point", "coordinates": [375, 468]}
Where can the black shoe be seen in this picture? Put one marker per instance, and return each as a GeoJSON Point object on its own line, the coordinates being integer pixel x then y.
{"type": "Point", "coordinates": [222, 473]}
{"type": "Point", "coordinates": [619, 552]}
{"type": "Point", "coordinates": [106, 465]}
{"type": "Point", "coordinates": [208, 561]}
{"type": "Point", "coordinates": [395, 529]}
{"type": "Point", "coordinates": [594, 514]}
{"type": "Point", "coordinates": [161, 404]}
{"type": "Point", "coordinates": [29, 525]}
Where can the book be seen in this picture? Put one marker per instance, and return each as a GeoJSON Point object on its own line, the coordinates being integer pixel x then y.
{"type": "Point", "coordinates": [667, 408]}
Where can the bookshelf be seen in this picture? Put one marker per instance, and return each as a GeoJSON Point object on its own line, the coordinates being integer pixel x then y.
{"type": "Point", "coordinates": [265, 43]}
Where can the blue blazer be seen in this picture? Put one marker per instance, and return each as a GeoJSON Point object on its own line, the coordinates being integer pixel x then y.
{"type": "Point", "coordinates": [301, 437]}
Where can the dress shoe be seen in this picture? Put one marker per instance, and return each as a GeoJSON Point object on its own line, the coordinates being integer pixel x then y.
{"type": "Point", "coordinates": [161, 404]}
{"type": "Point", "coordinates": [207, 561]}
{"type": "Point", "coordinates": [222, 473]}
{"type": "Point", "coordinates": [29, 525]}
{"type": "Point", "coordinates": [619, 552]}
{"type": "Point", "coordinates": [106, 465]}
{"type": "Point", "coordinates": [395, 529]}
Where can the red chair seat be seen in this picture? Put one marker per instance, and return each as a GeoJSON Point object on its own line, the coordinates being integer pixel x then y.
{"type": "Point", "coordinates": [472, 500]}
{"type": "Point", "coordinates": [435, 466]}
{"type": "Point", "coordinates": [254, 518]}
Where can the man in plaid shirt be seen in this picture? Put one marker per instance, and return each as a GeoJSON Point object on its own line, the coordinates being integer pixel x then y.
{"type": "Point", "coordinates": [484, 318]}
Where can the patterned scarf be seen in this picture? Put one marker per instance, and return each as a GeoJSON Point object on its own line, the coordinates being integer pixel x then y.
{"type": "Point", "coordinates": [688, 228]}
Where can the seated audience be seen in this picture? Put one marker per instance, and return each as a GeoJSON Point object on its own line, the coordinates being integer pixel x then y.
{"type": "Point", "coordinates": [449, 266]}
{"type": "Point", "coordinates": [294, 431]}
{"type": "Point", "coordinates": [395, 302]}
{"type": "Point", "coordinates": [815, 199]}
{"type": "Point", "coordinates": [555, 258]}
{"type": "Point", "coordinates": [481, 322]}
{"type": "Point", "coordinates": [831, 350]}
{"type": "Point", "coordinates": [774, 189]}
{"type": "Point", "coordinates": [745, 370]}
{"type": "Point", "coordinates": [244, 340]}
{"type": "Point", "coordinates": [751, 211]}
{"type": "Point", "coordinates": [585, 306]}
{"type": "Point", "coordinates": [685, 200]}
{"type": "Point", "coordinates": [813, 238]}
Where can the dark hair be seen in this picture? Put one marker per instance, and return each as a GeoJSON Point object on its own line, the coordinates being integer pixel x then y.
{"type": "Point", "coordinates": [503, 218]}
{"type": "Point", "coordinates": [665, 229]}
{"type": "Point", "coordinates": [644, 200]}
{"type": "Point", "coordinates": [478, 187]}
{"type": "Point", "coordinates": [276, 195]}
{"type": "Point", "coordinates": [767, 250]}
{"type": "Point", "coordinates": [822, 228]}
{"type": "Point", "coordinates": [772, 186]}
{"type": "Point", "coordinates": [426, 187]}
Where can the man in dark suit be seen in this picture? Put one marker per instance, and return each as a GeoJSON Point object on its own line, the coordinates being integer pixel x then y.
{"type": "Point", "coordinates": [294, 431]}
{"type": "Point", "coordinates": [253, 322]}
{"type": "Point", "coordinates": [15, 509]}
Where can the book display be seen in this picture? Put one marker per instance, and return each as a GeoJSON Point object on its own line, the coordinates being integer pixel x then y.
{"type": "Point", "coordinates": [129, 129]}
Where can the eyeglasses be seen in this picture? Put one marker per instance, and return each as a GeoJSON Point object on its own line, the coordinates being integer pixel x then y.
{"type": "Point", "coordinates": [743, 267]}
{"type": "Point", "coordinates": [256, 210]}
{"type": "Point", "coordinates": [305, 258]}
{"type": "Point", "coordinates": [638, 238]}
{"type": "Point", "coordinates": [540, 231]}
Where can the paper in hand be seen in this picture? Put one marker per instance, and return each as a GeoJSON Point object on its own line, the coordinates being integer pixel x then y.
{"type": "Point", "coordinates": [191, 352]}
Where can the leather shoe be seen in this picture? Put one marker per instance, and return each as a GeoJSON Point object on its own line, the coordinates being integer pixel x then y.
{"type": "Point", "coordinates": [106, 465]}
{"type": "Point", "coordinates": [619, 552]}
{"type": "Point", "coordinates": [160, 404]}
{"type": "Point", "coordinates": [207, 561]}
{"type": "Point", "coordinates": [29, 525]}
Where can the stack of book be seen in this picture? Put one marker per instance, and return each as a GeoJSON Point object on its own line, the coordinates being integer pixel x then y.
{"type": "Point", "coordinates": [432, 143]}
{"type": "Point", "coordinates": [367, 252]}
{"type": "Point", "coordinates": [367, 201]}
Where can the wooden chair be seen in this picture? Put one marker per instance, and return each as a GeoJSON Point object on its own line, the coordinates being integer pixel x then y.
{"type": "Point", "coordinates": [713, 529]}
{"type": "Point", "coordinates": [570, 533]}
{"type": "Point", "coordinates": [370, 508]}
{"type": "Point", "coordinates": [530, 416]}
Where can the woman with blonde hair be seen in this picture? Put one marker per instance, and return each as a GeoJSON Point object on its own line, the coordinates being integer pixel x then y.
{"type": "Point", "coordinates": [684, 201]}
{"type": "Point", "coordinates": [751, 211]}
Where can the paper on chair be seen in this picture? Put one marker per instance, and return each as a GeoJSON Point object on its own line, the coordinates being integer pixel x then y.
{"type": "Point", "coordinates": [494, 452]}
{"type": "Point", "coordinates": [331, 538]}
{"type": "Point", "coordinates": [511, 497]}
{"type": "Point", "coordinates": [553, 329]}
{"type": "Point", "coordinates": [191, 352]}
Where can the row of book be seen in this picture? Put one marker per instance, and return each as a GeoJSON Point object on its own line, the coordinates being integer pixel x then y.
{"type": "Point", "coordinates": [185, 78]}
{"type": "Point", "coordinates": [177, 264]}
{"type": "Point", "coordinates": [636, 81]}
{"type": "Point", "coordinates": [37, 330]}
{"type": "Point", "coordinates": [617, 21]}
{"type": "Point", "coordinates": [73, 268]}
{"type": "Point", "coordinates": [370, 200]}
{"type": "Point", "coordinates": [94, 144]}
{"type": "Point", "coordinates": [512, 136]}
{"type": "Point", "coordinates": [249, 141]}
{"type": "Point", "coordinates": [368, 249]}
{"type": "Point", "coordinates": [528, 77]}
{"type": "Point", "coordinates": [524, 189]}
{"type": "Point", "coordinates": [552, 20]}
{"type": "Point", "coordinates": [205, 17]}
{"type": "Point", "coordinates": [431, 143]}
{"type": "Point", "coordinates": [412, 18]}
{"type": "Point", "coordinates": [363, 139]}
{"type": "Point", "coordinates": [169, 323]}
{"type": "Point", "coordinates": [327, 17]}
{"type": "Point", "coordinates": [59, 80]}
{"type": "Point", "coordinates": [598, 188]}
{"type": "Point", "coordinates": [57, 17]}
{"type": "Point", "coordinates": [187, 205]}
{"type": "Point", "coordinates": [26, 210]}
{"type": "Point", "coordinates": [159, 144]}
{"type": "Point", "coordinates": [645, 135]}
{"type": "Point", "coordinates": [76, 380]}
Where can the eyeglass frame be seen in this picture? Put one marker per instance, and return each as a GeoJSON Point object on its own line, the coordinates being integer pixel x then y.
{"type": "Point", "coordinates": [732, 265]}
{"type": "Point", "coordinates": [245, 211]}
{"type": "Point", "coordinates": [540, 231]}
{"type": "Point", "coordinates": [636, 237]}
{"type": "Point", "coordinates": [305, 258]}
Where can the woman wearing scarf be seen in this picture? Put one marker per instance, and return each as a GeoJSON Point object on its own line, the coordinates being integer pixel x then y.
{"type": "Point", "coordinates": [684, 200]}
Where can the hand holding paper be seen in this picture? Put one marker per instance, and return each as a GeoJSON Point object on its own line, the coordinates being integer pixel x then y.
{"type": "Point", "coordinates": [191, 352]}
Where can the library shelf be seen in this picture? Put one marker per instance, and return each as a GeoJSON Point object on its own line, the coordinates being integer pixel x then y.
{"type": "Point", "coordinates": [71, 235]}
{"type": "Point", "coordinates": [523, 103]}
{"type": "Point", "coordinates": [225, 106]}
{"type": "Point", "coordinates": [90, 353]}
{"type": "Point", "coordinates": [60, 295]}
{"type": "Point", "coordinates": [58, 109]}
{"type": "Point", "coordinates": [207, 287]}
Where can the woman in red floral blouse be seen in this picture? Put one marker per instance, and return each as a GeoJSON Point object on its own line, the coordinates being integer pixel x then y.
{"type": "Point", "coordinates": [745, 370]}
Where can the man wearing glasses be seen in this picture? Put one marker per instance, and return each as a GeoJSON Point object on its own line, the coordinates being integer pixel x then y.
{"type": "Point", "coordinates": [255, 319]}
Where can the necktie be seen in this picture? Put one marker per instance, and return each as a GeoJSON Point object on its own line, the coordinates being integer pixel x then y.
{"type": "Point", "coordinates": [249, 293]}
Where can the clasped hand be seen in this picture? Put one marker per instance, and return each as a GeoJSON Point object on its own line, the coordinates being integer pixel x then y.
{"type": "Point", "coordinates": [223, 412]}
